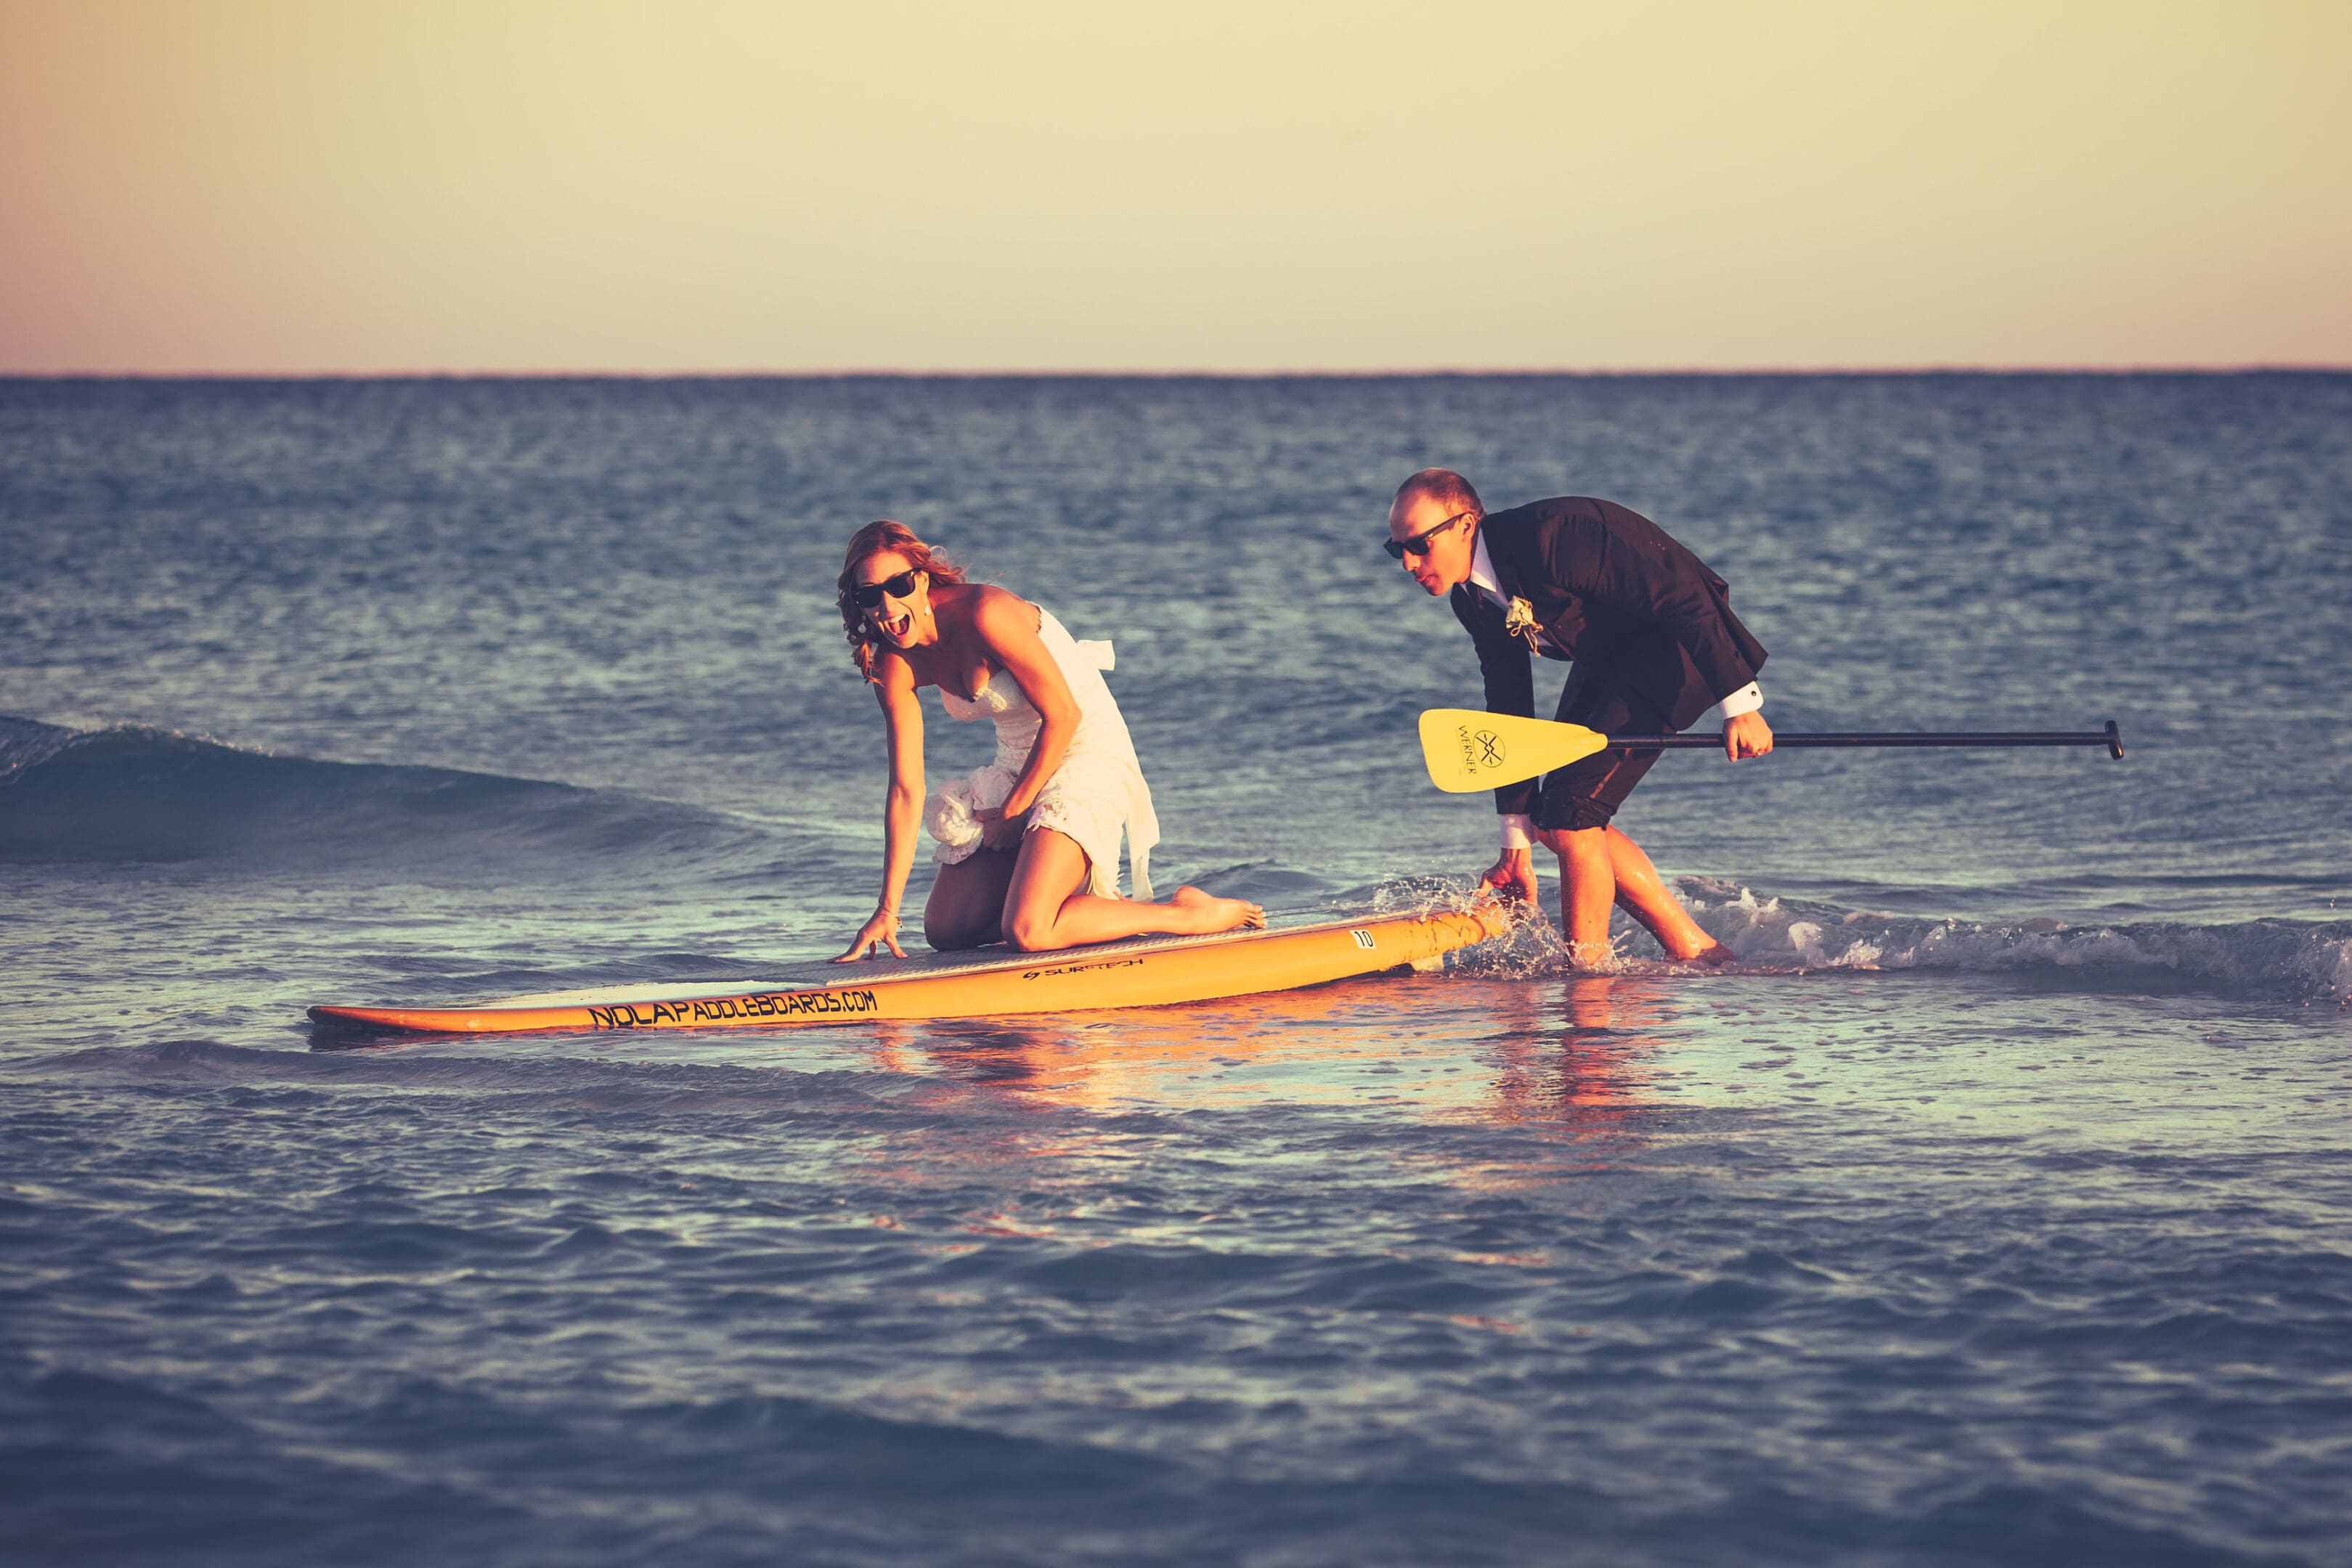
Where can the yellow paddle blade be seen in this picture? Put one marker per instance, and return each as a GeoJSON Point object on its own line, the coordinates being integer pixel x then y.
{"type": "Point", "coordinates": [1468, 749]}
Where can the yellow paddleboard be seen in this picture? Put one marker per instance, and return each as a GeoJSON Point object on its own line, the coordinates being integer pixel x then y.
{"type": "Point", "coordinates": [1143, 972]}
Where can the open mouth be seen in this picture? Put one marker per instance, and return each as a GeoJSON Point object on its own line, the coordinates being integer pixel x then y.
{"type": "Point", "coordinates": [895, 626]}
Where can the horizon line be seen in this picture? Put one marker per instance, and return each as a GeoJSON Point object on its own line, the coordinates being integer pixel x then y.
{"type": "Point", "coordinates": [2252, 368]}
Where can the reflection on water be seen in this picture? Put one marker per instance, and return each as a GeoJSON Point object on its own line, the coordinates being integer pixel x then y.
{"type": "Point", "coordinates": [1217, 1052]}
{"type": "Point", "coordinates": [1580, 1051]}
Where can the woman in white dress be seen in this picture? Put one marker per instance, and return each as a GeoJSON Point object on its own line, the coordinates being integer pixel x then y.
{"type": "Point", "coordinates": [1028, 845]}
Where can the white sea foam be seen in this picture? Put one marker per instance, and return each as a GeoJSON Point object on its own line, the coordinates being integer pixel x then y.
{"type": "Point", "coordinates": [2303, 960]}
{"type": "Point", "coordinates": [2309, 960]}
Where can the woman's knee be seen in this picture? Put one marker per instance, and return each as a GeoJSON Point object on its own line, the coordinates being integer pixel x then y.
{"type": "Point", "coordinates": [951, 925]}
{"type": "Point", "coordinates": [947, 938]}
{"type": "Point", "coordinates": [1029, 930]}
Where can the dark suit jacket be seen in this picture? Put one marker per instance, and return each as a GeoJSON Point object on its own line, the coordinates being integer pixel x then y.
{"type": "Point", "coordinates": [1617, 595]}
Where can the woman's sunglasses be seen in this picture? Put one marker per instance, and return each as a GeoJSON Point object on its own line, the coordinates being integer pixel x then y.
{"type": "Point", "coordinates": [869, 595]}
{"type": "Point", "coordinates": [1418, 544]}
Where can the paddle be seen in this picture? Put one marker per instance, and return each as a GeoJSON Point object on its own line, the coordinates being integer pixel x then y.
{"type": "Point", "coordinates": [1468, 749]}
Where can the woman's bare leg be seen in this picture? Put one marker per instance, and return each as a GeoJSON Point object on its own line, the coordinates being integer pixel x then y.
{"type": "Point", "coordinates": [966, 907]}
{"type": "Point", "coordinates": [1047, 908]}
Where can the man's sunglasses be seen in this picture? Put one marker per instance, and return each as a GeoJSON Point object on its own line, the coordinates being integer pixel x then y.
{"type": "Point", "coordinates": [1418, 544]}
{"type": "Point", "coordinates": [869, 595]}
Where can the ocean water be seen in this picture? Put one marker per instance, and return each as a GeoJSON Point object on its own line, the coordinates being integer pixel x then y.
{"type": "Point", "coordinates": [1997, 1208]}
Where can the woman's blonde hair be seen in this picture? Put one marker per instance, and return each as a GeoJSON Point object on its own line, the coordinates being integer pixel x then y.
{"type": "Point", "coordinates": [874, 539]}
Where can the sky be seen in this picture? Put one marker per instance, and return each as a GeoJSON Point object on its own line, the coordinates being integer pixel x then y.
{"type": "Point", "coordinates": [364, 186]}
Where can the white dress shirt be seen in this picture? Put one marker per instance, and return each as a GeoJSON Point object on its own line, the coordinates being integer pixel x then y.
{"type": "Point", "coordinates": [1518, 827]}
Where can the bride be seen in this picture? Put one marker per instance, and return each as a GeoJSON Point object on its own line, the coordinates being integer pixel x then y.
{"type": "Point", "coordinates": [1028, 846]}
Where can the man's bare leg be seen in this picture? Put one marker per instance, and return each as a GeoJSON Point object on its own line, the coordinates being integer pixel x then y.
{"type": "Point", "coordinates": [1601, 868]}
{"type": "Point", "coordinates": [1587, 892]}
{"type": "Point", "coordinates": [1644, 897]}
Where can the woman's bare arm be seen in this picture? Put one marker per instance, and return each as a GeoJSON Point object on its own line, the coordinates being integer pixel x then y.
{"type": "Point", "coordinates": [1007, 626]}
{"type": "Point", "coordinates": [902, 715]}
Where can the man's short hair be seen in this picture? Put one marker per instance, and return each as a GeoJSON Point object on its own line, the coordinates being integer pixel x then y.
{"type": "Point", "coordinates": [1443, 485]}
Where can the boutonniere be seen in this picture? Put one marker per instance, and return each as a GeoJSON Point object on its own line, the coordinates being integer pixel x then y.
{"type": "Point", "coordinates": [1519, 621]}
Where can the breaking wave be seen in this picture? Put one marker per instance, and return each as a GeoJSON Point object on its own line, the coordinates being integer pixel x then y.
{"type": "Point", "coordinates": [132, 793]}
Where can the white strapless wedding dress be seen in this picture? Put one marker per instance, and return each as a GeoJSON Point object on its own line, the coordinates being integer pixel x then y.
{"type": "Point", "coordinates": [1096, 794]}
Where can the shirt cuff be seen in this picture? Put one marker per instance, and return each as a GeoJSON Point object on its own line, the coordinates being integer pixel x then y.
{"type": "Point", "coordinates": [1518, 831]}
{"type": "Point", "coordinates": [1748, 698]}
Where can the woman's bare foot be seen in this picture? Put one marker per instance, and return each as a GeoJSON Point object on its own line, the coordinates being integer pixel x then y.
{"type": "Point", "coordinates": [1714, 955]}
{"type": "Point", "coordinates": [1208, 914]}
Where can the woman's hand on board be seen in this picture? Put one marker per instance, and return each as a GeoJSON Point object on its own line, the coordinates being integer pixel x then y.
{"type": "Point", "coordinates": [881, 929]}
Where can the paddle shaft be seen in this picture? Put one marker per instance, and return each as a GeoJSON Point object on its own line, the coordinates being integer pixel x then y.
{"type": "Point", "coordinates": [2110, 738]}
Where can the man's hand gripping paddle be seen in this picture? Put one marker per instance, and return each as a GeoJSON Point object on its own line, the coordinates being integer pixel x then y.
{"type": "Point", "coordinates": [1468, 749]}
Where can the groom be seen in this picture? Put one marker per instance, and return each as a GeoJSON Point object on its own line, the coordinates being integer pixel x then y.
{"type": "Point", "coordinates": [1654, 643]}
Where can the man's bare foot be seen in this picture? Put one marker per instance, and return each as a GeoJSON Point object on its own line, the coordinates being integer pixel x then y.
{"type": "Point", "coordinates": [1207, 913]}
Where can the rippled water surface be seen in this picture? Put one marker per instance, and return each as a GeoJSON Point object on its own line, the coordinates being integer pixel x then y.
{"type": "Point", "coordinates": [1997, 1208]}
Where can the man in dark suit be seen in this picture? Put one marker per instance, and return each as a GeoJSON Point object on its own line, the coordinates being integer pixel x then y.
{"type": "Point", "coordinates": [1654, 645]}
